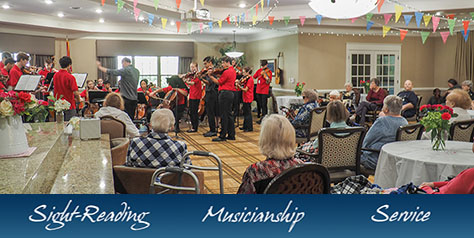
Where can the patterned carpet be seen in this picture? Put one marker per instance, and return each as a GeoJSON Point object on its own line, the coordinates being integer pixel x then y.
{"type": "Point", "coordinates": [236, 156]}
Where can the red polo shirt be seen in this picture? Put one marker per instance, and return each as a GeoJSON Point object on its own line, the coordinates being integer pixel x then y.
{"type": "Point", "coordinates": [45, 72]}
{"type": "Point", "coordinates": [181, 99]}
{"type": "Point", "coordinates": [15, 74]}
{"type": "Point", "coordinates": [4, 71]}
{"type": "Point", "coordinates": [141, 90]}
{"type": "Point", "coordinates": [248, 96]}
{"type": "Point", "coordinates": [227, 80]}
{"type": "Point", "coordinates": [195, 91]}
{"type": "Point", "coordinates": [262, 86]}
{"type": "Point", "coordinates": [65, 84]}
{"type": "Point", "coordinates": [1, 65]}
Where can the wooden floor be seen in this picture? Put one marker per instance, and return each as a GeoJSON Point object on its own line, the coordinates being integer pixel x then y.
{"type": "Point", "coordinates": [236, 156]}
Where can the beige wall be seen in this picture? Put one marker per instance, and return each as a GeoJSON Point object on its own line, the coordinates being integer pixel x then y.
{"type": "Point", "coordinates": [202, 50]}
{"type": "Point", "coordinates": [445, 55]}
{"type": "Point", "coordinates": [83, 55]}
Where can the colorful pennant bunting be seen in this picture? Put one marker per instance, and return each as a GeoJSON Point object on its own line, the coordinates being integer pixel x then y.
{"type": "Point", "coordinates": [466, 34]}
{"type": "Point", "coordinates": [451, 16]}
{"type": "Point", "coordinates": [379, 4]}
{"type": "Point", "coordinates": [271, 19]}
{"type": "Point", "coordinates": [202, 3]}
{"type": "Point", "coordinates": [103, 2]}
{"type": "Point", "coordinates": [424, 36]}
{"type": "Point", "coordinates": [435, 23]}
{"type": "Point", "coordinates": [178, 3]}
{"type": "Point", "coordinates": [254, 20]}
{"type": "Point", "coordinates": [302, 20]}
{"type": "Point", "coordinates": [228, 20]}
{"type": "Point", "coordinates": [163, 22]}
{"type": "Point", "coordinates": [178, 26]}
{"type": "Point", "coordinates": [444, 36]}
{"type": "Point", "coordinates": [466, 25]}
{"type": "Point", "coordinates": [387, 18]}
{"type": "Point", "coordinates": [287, 20]}
{"type": "Point", "coordinates": [427, 19]}
{"type": "Point", "coordinates": [403, 33]}
{"type": "Point", "coordinates": [256, 9]}
{"type": "Point", "coordinates": [369, 25]}
{"type": "Point", "coordinates": [190, 26]}
{"type": "Point", "coordinates": [398, 12]}
{"type": "Point", "coordinates": [472, 15]}
{"type": "Point", "coordinates": [319, 18]}
{"type": "Point", "coordinates": [407, 19]}
{"type": "Point", "coordinates": [418, 16]}
{"type": "Point", "coordinates": [261, 3]}
{"type": "Point", "coordinates": [201, 26]}
{"type": "Point", "coordinates": [135, 3]}
{"type": "Point", "coordinates": [136, 12]}
{"type": "Point", "coordinates": [353, 20]}
{"type": "Point", "coordinates": [369, 16]}
{"type": "Point", "coordinates": [151, 17]}
{"type": "Point", "coordinates": [451, 23]}
{"type": "Point", "coordinates": [210, 24]}
{"type": "Point", "coordinates": [268, 3]}
{"type": "Point", "coordinates": [385, 30]}
{"type": "Point", "coordinates": [120, 4]}
{"type": "Point", "coordinates": [156, 4]}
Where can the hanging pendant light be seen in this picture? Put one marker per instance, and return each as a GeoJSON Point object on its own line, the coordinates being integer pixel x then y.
{"type": "Point", "coordinates": [234, 53]}
{"type": "Point", "coordinates": [343, 9]}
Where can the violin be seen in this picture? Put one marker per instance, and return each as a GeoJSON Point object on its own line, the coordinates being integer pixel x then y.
{"type": "Point", "coordinates": [169, 102]}
{"type": "Point", "coordinates": [267, 72]}
{"type": "Point", "coordinates": [239, 84]}
{"type": "Point", "coordinates": [32, 70]}
{"type": "Point", "coordinates": [289, 113]}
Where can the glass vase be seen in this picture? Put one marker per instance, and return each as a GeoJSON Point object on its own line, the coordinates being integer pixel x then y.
{"type": "Point", "coordinates": [438, 139]}
{"type": "Point", "coordinates": [60, 117]}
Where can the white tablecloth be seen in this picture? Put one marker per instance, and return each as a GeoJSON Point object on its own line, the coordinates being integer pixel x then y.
{"type": "Point", "coordinates": [414, 161]}
{"type": "Point", "coordinates": [471, 112]}
{"type": "Point", "coordinates": [287, 101]}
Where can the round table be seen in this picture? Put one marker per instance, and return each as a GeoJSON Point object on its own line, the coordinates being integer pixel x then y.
{"type": "Point", "coordinates": [414, 161]}
{"type": "Point", "coordinates": [287, 101]}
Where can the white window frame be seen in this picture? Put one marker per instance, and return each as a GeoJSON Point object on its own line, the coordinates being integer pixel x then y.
{"type": "Point", "coordinates": [374, 49]}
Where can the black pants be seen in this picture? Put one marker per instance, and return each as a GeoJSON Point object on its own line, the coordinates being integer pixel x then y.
{"type": "Point", "coordinates": [130, 107]}
{"type": "Point", "coordinates": [211, 109]}
{"type": "Point", "coordinates": [362, 110]}
{"type": "Point", "coordinates": [248, 124]}
{"type": "Point", "coordinates": [178, 116]}
{"type": "Point", "coordinates": [236, 104]}
{"type": "Point", "coordinates": [193, 112]}
{"type": "Point", "coordinates": [262, 104]}
{"type": "Point", "coordinates": [226, 98]}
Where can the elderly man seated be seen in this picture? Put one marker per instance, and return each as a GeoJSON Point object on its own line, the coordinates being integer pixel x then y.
{"type": "Point", "coordinates": [158, 149]}
{"type": "Point", "coordinates": [303, 116]}
{"type": "Point", "coordinates": [410, 100]}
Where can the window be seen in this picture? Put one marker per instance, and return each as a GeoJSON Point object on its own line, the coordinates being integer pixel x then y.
{"type": "Point", "coordinates": [153, 68]}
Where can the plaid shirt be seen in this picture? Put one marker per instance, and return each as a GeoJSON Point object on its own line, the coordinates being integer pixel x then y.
{"type": "Point", "coordinates": [156, 150]}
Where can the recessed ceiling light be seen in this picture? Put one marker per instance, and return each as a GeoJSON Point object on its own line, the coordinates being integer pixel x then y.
{"type": "Point", "coordinates": [141, 18]}
{"type": "Point", "coordinates": [48, 2]}
{"type": "Point", "coordinates": [6, 6]}
{"type": "Point", "coordinates": [173, 23]}
{"type": "Point", "coordinates": [242, 5]}
{"type": "Point", "coordinates": [99, 11]}
{"type": "Point", "coordinates": [60, 14]}
{"type": "Point", "coordinates": [101, 20]}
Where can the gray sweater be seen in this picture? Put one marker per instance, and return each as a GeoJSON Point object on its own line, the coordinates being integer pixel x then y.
{"type": "Point", "coordinates": [129, 83]}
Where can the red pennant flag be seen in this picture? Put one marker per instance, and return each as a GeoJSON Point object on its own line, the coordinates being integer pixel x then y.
{"type": "Point", "coordinates": [444, 36]}
{"type": "Point", "coordinates": [387, 18]}
{"type": "Point", "coordinates": [228, 20]}
{"type": "Point", "coordinates": [379, 4]}
{"type": "Point", "coordinates": [178, 3]}
{"type": "Point", "coordinates": [451, 16]}
{"type": "Point", "coordinates": [353, 19]}
{"type": "Point", "coordinates": [103, 2]}
{"type": "Point", "coordinates": [302, 20]}
{"type": "Point", "coordinates": [466, 26]}
{"type": "Point", "coordinates": [135, 2]}
{"type": "Point", "coordinates": [271, 18]}
{"type": "Point", "coordinates": [403, 33]}
{"type": "Point", "coordinates": [256, 9]}
{"type": "Point", "coordinates": [178, 25]}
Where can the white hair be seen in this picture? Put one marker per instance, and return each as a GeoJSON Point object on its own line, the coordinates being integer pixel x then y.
{"type": "Point", "coordinates": [467, 83]}
{"type": "Point", "coordinates": [162, 120]}
{"type": "Point", "coordinates": [348, 84]}
{"type": "Point", "coordinates": [334, 93]}
{"type": "Point", "coordinates": [393, 104]}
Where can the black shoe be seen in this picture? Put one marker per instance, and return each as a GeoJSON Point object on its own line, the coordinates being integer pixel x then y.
{"type": "Point", "coordinates": [242, 129]}
{"type": "Point", "coordinates": [259, 122]}
{"type": "Point", "coordinates": [218, 139]}
{"type": "Point", "coordinates": [191, 131]}
{"type": "Point", "coordinates": [231, 138]}
{"type": "Point", "coordinates": [248, 130]}
{"type": "Point", "coordinates": [210, 134]}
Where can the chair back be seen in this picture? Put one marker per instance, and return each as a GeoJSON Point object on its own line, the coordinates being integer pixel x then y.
{"type": "Point", "coordinates": [462, 131]}
{"type": "Point", "coordinates": [340, 148]}
{"type": "Point", "coordinates": [113, 127]}
{"type": "Point", "coordinates": [308, 178]}
{"type": "Point", "coordinates": [132, 180]}
{"type": "Point", "coordinates": [316, 121]}
{"type": "Point", "coordinates": [418, 105]}
{"type": "Point", "coordinates": [409, 132]}
{"type": "Point", "coordinates": [119, 149]}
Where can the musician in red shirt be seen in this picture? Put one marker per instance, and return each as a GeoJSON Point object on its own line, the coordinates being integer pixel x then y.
{"type": "Point", "coordinates": [5, 56]}
{"type": "Point", "coordinates": [48, 68]}
{"type": "Point", "coordinates": [144, 87]}
{"type": "Point", "coordinates": [16, 72]}
{"type": "Point", "coordinates": [195, 96]}
{"type": "Point", "coordinates": [264, 78]}
{"type": "Point", "coordinates": [5, 71]}
{"type": "Point", "coordinates": [107, 87]}
{"type": "Point", "coordinates": [226, 98]}
{"type": "Point", "coordinates": [182, 94]}
{"type": "Point", "coordinates": [246, 84]}
{"type": "Point", "coordinates": [65, 86]}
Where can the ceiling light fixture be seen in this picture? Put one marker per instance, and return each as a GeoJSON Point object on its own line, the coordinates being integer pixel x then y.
{"type": "Point", "coordinates": [6, 6]}
{"type": "Point", "coordinates": [49, 2]}
{"type": "Point", "coordinates": [173, 23]}
{"type": "Point", "coordinates": [233, 53]}
{"type": "Point", "coordinates": [101, 20]}
{"type": "Point", "coordinates": [99, 11]}
{"type": "Point", "coordinates": [60, 14]}
{"type": "Point", "coordinates": [242, 5]}
{"type": "Point", "coordinates": [342, 9]}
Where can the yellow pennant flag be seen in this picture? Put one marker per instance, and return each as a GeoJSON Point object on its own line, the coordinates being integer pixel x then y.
{"type": "Point", "coordinates": [427, 19]}
{"type": "Point", "coordinates": [398, 12]}
{"type": "Point", "coordinates": [262, 3]}
{"type": "Point", "coordinates": [254, 20]}
{"type": "Point", "coordinates": [163, 22]}
{"type": "Point", "coordinates": [385, 30]}
{"type": "Point", "coordinates": [220, 24]}
{"type": "Point", "coordinates": [202, 2]}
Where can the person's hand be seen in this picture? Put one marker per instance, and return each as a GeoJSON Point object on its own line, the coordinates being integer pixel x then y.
{"type": "Point", "coordinates": [426, 184]}
{"type": "Point", "coordinates": [98, 63]}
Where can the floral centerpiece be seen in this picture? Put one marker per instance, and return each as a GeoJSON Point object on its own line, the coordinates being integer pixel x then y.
{"type": "Point", "coordinates": [59, 105]}
{"type": "Point", "coordinates": [299, 88]}
{"type": "Point", "coordinates": [366, 85]}
{"type": "Point", "coordinates": [436, 120]}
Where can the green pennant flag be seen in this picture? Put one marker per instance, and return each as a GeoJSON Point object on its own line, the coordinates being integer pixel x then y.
{"type": "Point", "coordinates": [190, 25]}
{"type": "Point", "coordinates": [287, 20]}
{"type": "Point", "coordinates": [451, 23]}
{"type": "Point", "coordinates": [252, 11]}
{"type": "Point", "coordinates": [472, 15]}
{"type": "Point", "coordinates": [369, 16]}
{"type": "Point", "coordinates": [120, 4]}
{"type": "Point", "coordinates": [156, 4]}
{"type": "Point", "coordinates": [424, 36]}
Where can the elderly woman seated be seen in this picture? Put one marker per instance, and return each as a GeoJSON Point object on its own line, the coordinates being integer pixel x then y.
{"type": "Point", "coordinates": [303, 116]}
{"type": "Point", "coordinates": [383, 131]}
{"type": "Point", "coordinates": [374, 98]}
{"type": "Point", "coordinates": [461, 184]}
{"type": "Point", "coordinates": [277, 142]}
{"type": "Point", "coordinates": [158, 149]}
{"type": "Point", "coordinates": [460, 101]}
{"type": "Point", "coordinates": [114, 106]}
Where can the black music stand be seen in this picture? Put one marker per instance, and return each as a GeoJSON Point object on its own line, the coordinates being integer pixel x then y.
{"type": "Point", "coordinates": [98, 97]}
{"type": "Point", "coordinates": [176, 82]}
{"type": "Point", "coordinates": [142, 98]}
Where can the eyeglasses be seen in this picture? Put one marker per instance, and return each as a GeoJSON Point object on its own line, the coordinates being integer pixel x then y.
{"type": "Point", "coordinates": [304, 97]}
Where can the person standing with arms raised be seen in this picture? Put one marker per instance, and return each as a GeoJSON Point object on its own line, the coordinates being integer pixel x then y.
{"type": "Point", "coordinates": [226, 98]}
{"type": "Point", "coordinates": [128, 84]}
{"type": "Point", "coordinates": [264, 78]}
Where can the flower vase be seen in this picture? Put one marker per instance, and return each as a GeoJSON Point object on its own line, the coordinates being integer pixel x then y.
{"type": "Point", "coordinates": [438, 139]}
{"type": "Point", "coordinates": [13, 136]}
{"type": "Point", "coordinates": [60, 117]}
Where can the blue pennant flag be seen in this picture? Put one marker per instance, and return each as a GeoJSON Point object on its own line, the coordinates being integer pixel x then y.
{"type": "Point", "coordinates": [418, 16]}
{"type": "Point", "coordinates": [466, 36]}
{"type": "Point", "coordinates": [369, 25]}
{"type": "Point", "coordinates": [151, 18]}
{"type": "Point", "coordinates": [407, 19]}
{"type": "Point", "coordinates": [268, 3]}
{"type": "Point", "coordinates": [243, 17]}
{"type": "Point", "coordinates": [210, 25]}
{"type": "Point", "coordinates": [116, 1]}
{"type": "Point", "coordinates": [319, 18]}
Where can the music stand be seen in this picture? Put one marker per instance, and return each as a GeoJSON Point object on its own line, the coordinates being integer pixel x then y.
{"type": "Point", "coordinates": [176, 82]}
{"type": "Point", "coordinates": [142, 98]}
{"type": "Point", "coordinates": [98, 97]}
{"type": "Point", "coordinates": [28, 83]}
{"type": "Point", "coordinates": [80, 79]}
{"type": "Point", "coordinates": [49, 78]}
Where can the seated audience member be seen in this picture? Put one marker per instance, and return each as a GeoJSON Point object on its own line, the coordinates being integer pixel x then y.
{"type": "Point", "coordinates": [158, 149]}
{"type": "Point", "coordinates": [461, 184]}
{"type": "Point", "coordinates": [467, 86]}
{"type": "Point", "coordinates": [452, 84]}
{"type": "Point", "coordinates": [436, 98]}
{"type": "Point", "coordinates": [304, 113]}
{"type": "Point", "coordinates": [460, 102]}
{"type": "Point", "coordinates": [114, 106]}
{"type": "Point", "coordinates": [336, 116]}
{"type": "Point", "coordinates": [277, 142]}
{"type": "Point", "coordinates": [334, 95]}
{"type": "Point", "coordinates": [351, 97]}
{"type": "Point", "coordinates": [375, 99]}
{"type": "Point", "coordinates": [383, 131]}
{"type": "Point", "coordinates": [410, 100]}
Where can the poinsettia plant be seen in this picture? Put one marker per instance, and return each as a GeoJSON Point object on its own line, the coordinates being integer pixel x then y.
{"type": "Point", "coordinates": [299, 88]}
{"type": "Point", "coordinates": [436, 120]}
{"type": "Point", "coordinates": [22, 104]}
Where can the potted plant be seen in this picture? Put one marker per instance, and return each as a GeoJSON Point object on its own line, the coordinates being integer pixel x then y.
{"type": "Point", "coordinates": [59, 105]}
{"type": "Point", "coordinates": [436, 120]}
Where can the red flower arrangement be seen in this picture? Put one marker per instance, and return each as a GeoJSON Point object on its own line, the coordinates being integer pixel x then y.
{"type": "Point", "coordinates": [299, 88]}
{"type": "Point", "coordinates": [436, 120]}
{"type": "Point", "coordinates": [22, 104]}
